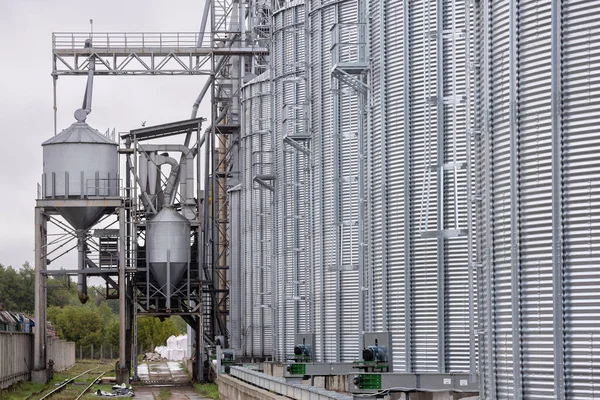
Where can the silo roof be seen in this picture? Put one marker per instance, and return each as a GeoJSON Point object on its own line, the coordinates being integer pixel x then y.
{"type": "Point", "coordinates": [79, 132]}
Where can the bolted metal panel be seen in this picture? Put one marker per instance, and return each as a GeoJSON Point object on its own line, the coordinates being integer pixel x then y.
{"type": "Point", "coordinates": [538, 119]}
{"type": "Point", "coordinates": [256, 243]}
{"type": "Point", "coordinates": [430, 320]}
{"type": "Point", "coordinates": [80, 152]}
{"type": "Point", "coordinates": [80, 162]}
{"type": "Point", "coordinates": [578, 96]}
{"type": "Point", "coordinates": [333, 125]}
{"type": "Point", "coordinates": [291, 161]}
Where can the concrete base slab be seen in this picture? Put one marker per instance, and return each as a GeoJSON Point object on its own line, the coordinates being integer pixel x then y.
{"type": "Point", "coordinates": [175, 392]}
{"type": "Point", "coordinates": [170, 371]}
{"type": "Point", "coordinates": [40, 376]}
{"type": "Point", "coordinates": [443, 396]}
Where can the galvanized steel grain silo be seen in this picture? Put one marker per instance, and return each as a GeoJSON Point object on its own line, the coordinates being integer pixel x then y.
{"type": "Point", "coordinates": [251, 302]}
{"type": "Point", "coordinates": [422, 283]}
{"type": "Point", "coordinates": [539, 181]}
{"type": "Point", "coordinates": [333, 126]}
{"type": "Point", "coordinates": [291, 147]}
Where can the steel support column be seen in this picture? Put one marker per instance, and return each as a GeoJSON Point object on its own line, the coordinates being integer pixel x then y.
{"type": "Point", "coordinates": [122, 370]}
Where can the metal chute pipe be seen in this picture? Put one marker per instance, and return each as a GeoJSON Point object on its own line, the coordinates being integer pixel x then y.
{"type": "Point", "coordinates": [165, 159]}
{"type": "Point", "coordinates": [81, 278]}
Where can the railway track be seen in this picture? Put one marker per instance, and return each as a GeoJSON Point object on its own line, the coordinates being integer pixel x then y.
{"type": "Point", "coordinates": [72, 381]}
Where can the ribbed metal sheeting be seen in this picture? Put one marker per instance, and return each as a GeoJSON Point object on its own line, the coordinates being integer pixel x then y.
{"type": "Point", "coordinates": [291, 149]}
{"type": "Point", "coordinates": [333, 124]}
{"type": "Point", "coordinates": [256, 220]}
{"type": "Point", "coordinates": [538, 111]}
{"type": "Point", "coordinates": [419, 286]}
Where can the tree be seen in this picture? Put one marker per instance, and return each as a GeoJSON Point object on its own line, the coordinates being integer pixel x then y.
{"type": "Point", "coordinates": [82, 325]}
{"type": "Point", "coordinates": [153, 332]}
{"type": "Point", "coordinates": [17, 289]}
{"type": "Point", "coordinates": [61, 293]}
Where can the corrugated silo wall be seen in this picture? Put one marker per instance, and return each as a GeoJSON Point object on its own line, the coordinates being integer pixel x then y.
{"type": "Point", "coordinates": [333, 124]}
{"type": "Point", "coordinates": [255, 334]}
{"type": "Point", "coordinates": [421, 291]}
{"type": "Point", "coordinates": [539, 115]}
{"type": "Point", "coordinates": [292, 206]}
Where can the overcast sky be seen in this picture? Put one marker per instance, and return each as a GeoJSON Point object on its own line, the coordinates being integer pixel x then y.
{"type": "Point", "coordinates": [26, 116]}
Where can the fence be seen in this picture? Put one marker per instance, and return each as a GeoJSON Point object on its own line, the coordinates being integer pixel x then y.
{"type": "Point", "coordinates": [16, 356]}
{"type": "Point", "coordinates": [62, 353]}
{"type": "Point", "coordinates": [102, 352]}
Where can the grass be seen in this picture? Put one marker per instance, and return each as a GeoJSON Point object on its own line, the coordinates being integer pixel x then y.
{"type": "Point", "coordinates": [164, 394]}
{"type": "Point", "coordinates": [207, 389]}
{"type": "Point", "coordinates": [21, 390]}
{"type": "Point", "coordinates": [24, 390]}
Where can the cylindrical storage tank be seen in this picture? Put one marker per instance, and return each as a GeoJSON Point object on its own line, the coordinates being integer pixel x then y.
{"type": "Point", "coordinates": [168, 247]}
{"type": "Point", "coordinates": [254, 265]}
{"type": "Point", "coordinates": [80, 162]}
{"type": "Point", "coordinates": [333, 125]}
{"type": "Point", "coordinates": [420, 283]}
{"type": "Point", "coordinates": [291, 147]}
{"type": "Point", "coordinates": [539, 181]}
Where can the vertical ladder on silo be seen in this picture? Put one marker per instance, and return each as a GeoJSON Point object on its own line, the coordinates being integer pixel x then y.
{"type": "Point", "coordinates": [350, 66]}
{"type": "Point", "coordinates": [296, 153]}
{"type": "Point", "coordinates": [435, 171]}
{"type": "Point", "coordinates": [263, 177]}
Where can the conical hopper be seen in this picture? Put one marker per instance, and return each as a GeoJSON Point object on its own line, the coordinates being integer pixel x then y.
{"type": "Point", "coordinates": [82, 217]}
{"type": "Point", "coordinates": [168, 246]}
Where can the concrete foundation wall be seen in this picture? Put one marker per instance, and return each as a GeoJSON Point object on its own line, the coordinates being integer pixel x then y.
{"type": "Point", "coordinates": [234, 389]}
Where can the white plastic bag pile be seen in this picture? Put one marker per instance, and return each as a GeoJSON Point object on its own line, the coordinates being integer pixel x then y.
{"type": "Point", "coordinates": [175, 350]}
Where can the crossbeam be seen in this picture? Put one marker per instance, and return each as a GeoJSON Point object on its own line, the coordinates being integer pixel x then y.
{"type": "Point", "coordinates": [139, 53]}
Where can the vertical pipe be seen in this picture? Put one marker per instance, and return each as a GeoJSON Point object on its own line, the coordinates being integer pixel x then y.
{"type": "Point", "coordinates": [514, 199]}
{"type": "Point", "coordinates": [557, 214]}
{"type": "Point", "coordinates": [81, 278]}
{"type": "Point", "coordinates": [168, 288]}
{"type": "Point", "coordinates": [407, 189]}
{"type": "Point", "coordinates": [441, 265]}
{"type": "Point", "coordinates": [54, 108]}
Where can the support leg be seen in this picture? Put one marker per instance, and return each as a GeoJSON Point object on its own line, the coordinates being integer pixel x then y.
{"type": "Point", "coordinates": [122, 370]}
{"type": "Point", "coordinates": [40, 372]}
